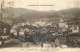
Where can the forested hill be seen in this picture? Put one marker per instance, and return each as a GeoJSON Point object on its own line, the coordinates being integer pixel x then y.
{"type": "Point", "coordinates": [21, 15]}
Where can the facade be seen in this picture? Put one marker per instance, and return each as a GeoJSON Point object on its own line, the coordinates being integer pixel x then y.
{"type": "Point", "coordinates": [69, 25]}
{"type": "Point", "coordinates": [75, 28]}
{"type": "Point", "coordinates": [62, 24]}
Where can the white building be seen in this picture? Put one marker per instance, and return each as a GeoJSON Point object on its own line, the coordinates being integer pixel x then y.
{"type": "Point", "coordinates": [21, 33]}
{"type": "Point", "coordinates": [62, 24]}
{"type": "Point", "coordinates": [40, 23]}
{"type": "Point", "coordinates": [75, 28]}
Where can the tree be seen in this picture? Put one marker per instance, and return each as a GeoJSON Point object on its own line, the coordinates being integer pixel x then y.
{"type": "Point", "coordinates": [2, 6]}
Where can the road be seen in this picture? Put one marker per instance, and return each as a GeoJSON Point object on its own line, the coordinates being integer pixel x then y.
{"type": "Point", "coordinates": [39, 49]}
{"type": "Point", "coordinates": [25, 48]}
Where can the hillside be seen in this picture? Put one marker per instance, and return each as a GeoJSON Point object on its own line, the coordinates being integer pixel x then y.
{"type": "Point", "coordinates": [10, 13]}
{"type": "Point", "coordinates": [48, 16]}
{"type": "Point", "coordinates": [22, 15]}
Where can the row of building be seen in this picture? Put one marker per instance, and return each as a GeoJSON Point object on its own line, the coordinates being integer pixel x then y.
{"type": "Point", "coordinates": [63, 25]}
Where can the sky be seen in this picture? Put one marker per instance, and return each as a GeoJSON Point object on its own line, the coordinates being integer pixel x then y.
{"type": "Point", "coordinates": [57, 4]}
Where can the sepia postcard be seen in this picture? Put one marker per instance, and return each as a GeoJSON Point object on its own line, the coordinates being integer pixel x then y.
{"type": "Point", "coordinates": [39, 25]}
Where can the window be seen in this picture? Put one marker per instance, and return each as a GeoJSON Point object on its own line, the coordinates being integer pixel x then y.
{"type": "Point", "coordinates": [75, 27]}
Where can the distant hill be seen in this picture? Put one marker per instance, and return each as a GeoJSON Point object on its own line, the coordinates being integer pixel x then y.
{"type": "Point", "coordinates": [71, 13]}
{"type": "Point", "coordinates": [22, 15]}
{"type": "Point", "coordinates": [10, 13]}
